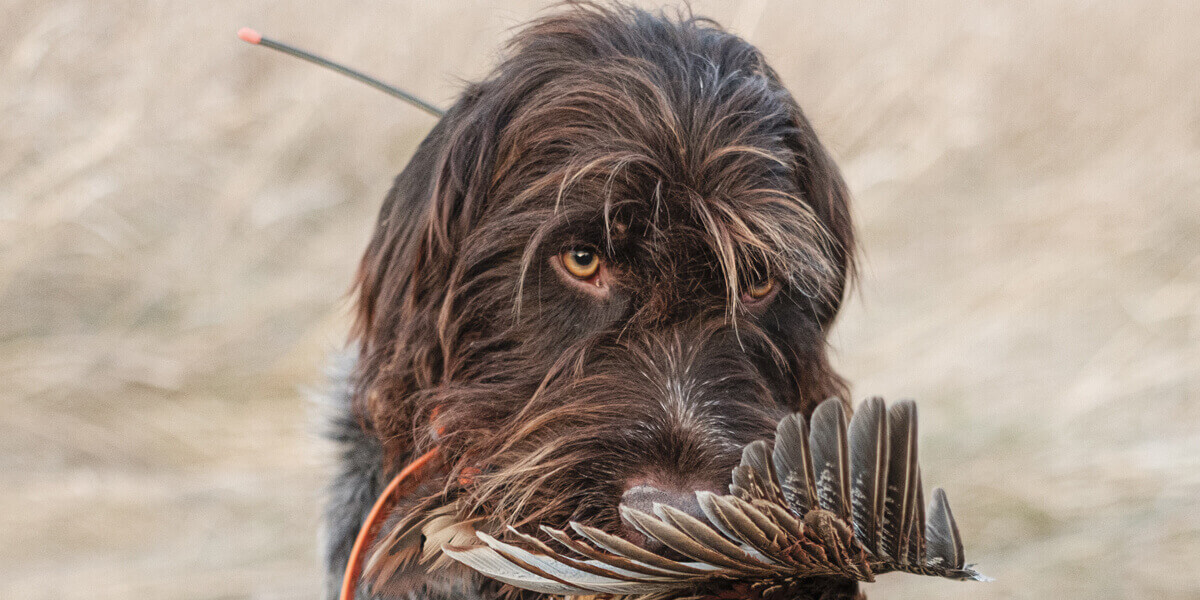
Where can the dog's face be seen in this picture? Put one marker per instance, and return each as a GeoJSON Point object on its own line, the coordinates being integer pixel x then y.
{"type": "Point", "coordinates": [610, 266]}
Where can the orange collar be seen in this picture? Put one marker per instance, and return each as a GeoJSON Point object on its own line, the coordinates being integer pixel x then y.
{"type": "Point", "coordinates": [401, 485]}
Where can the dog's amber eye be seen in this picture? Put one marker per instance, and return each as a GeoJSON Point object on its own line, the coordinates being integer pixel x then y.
{"type": "Point", "coordinates": [581, 262]}
{"type": "Point", "coordinates": [761, 288]}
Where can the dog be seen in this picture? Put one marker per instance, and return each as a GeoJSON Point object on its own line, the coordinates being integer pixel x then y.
{"type": "Point", "coordinates": [612, 264]}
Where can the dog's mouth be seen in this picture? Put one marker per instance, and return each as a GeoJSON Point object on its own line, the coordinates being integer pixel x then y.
{"type": "Point", "coordinates": [805, 512]}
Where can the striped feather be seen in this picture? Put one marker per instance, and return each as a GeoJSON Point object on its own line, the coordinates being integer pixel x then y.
{"type": "Point", "coordinates": [944, 546]}
{"type": "Point", "coordinates": [869, 468]}
{"type": "Point", "coordinates": [902, 478]}
{"type": "Point", "coordinates": [831, 458]}
{"type": "Point", "coordinates": [793, 463]}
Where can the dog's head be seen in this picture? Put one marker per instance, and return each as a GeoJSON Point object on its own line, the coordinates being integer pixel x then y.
{"type": "Point", "coordinates": [610, 266]}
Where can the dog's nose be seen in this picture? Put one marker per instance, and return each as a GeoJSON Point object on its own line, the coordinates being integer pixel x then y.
{"type": "Point", "coordinates": [644, 496]}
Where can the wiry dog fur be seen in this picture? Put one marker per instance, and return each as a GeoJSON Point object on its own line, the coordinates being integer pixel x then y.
{"type": "Point", "coordinates": [669, 148]}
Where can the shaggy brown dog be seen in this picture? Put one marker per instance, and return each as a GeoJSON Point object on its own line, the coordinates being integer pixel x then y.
{"type": "Point", "coordinates": [612, 264]}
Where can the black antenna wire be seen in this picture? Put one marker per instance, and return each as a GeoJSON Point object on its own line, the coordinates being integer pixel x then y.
{"type": "Point", "coordinates": [256, 38]}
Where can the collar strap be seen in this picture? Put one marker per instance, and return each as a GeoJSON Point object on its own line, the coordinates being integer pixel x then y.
{"type": "Point", "coordinates": [401, 485]}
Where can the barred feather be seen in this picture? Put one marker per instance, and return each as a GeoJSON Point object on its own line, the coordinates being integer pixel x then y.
{"type": "Point", "coordinates": [944, 546]}
{"type": "Point", "coordinates": [756, 458]}
{"type": "Point", "coordinates": [793, 463]}
{"type": "Point", "coordinates": [869, 464]}
{"type": "Point", "coordinates": [901, 481]}
{"type": "Point", "coordinates": [831, 458]}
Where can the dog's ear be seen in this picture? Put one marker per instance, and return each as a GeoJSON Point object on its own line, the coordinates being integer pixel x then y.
{"type": "Point", "coordinates": [405, 274]}
{"type": "Point", "coordinates": [428, 208]}
{"type": "Point", "coordinates": [822, 187]}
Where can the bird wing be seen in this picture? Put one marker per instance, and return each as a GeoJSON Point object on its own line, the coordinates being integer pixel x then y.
{"type": "Point", "coordinates": [830, 499]}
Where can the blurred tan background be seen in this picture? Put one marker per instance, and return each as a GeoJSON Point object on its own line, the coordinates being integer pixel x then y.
{"type": "Point", "coordinates": [180, 216]}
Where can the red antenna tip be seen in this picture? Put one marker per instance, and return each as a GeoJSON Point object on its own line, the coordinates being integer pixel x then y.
{"type": "Point", "coordinates": [249, 35]}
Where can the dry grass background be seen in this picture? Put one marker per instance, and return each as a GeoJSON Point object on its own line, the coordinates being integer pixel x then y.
{"type": "Point", "coordinates": [181, 213]}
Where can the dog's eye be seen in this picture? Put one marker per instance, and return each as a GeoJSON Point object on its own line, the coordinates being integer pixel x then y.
{"type": "Point", "coordinates": [581, 263]}
{"type": "Point", "coordinates": [761, 288]}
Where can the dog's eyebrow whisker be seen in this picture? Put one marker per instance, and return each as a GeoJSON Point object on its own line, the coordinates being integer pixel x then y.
{"type": "Point", "coordinates": [527, 256]}
{"type": "Point", "coordinates": [574, 174]}
{"type": "Point", "coordinates": [721, 244]}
